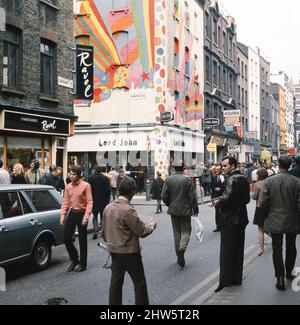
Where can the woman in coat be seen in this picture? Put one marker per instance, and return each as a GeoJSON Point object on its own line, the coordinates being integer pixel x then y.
{"type": "Point", "coordinates": [18, 175]}
{"type": "Point", "coordinates": [259, 216]}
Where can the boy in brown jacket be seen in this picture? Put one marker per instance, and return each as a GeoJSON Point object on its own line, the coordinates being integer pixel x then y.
{"type": "Point", "coordinates": [122, 229]}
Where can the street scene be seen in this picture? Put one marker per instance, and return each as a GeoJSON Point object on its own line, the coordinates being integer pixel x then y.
{"type": "Point", "coordinates": [149, 152]}
{"type": "Point", "coordinates": [167, 282]}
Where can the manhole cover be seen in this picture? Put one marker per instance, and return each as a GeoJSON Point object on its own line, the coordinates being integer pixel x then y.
{"type": "Point", "coordinates": [57, 301]}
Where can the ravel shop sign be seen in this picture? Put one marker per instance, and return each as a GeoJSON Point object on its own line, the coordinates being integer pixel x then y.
{"type": "Point", "coordinates": [84, 72]}
{"type": "Point", "coordinates": [32, 123]}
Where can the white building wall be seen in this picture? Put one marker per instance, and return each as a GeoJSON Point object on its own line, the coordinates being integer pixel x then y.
{"type": "Point", "coordinates": [254, 93]}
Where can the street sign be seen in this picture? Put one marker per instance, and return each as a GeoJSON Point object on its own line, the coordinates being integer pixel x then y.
{"type": "Point", "coordinates": [234, 149]}
{"type": "Point", "coordinates": [232, 118]}
{"type": "Point", "coordinates": [210, 122]}
{"type": "Point", "coordinates": [166, 117]}
{"type": "Point", "coordinates": [212, 147]}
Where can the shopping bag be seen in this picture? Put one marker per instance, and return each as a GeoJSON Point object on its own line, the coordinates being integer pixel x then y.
{"type": "Point", "coordinates": [198, 228]}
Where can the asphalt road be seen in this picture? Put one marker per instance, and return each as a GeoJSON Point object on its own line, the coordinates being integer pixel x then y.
{"type": "Point", "coordinates": [167, 283]}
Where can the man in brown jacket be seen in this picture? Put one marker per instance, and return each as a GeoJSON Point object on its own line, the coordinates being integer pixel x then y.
{"type": "Point", "coordinates": [121, 230]}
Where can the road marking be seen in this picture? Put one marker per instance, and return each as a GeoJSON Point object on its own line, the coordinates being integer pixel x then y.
{"type": "Point", "coordinates": [210, 291]}
{"type": "Point", "coordinates": [205, 282]}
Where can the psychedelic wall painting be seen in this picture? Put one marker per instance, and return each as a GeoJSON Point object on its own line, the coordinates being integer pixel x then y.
{"type": "Point", "coordinates": [123, 41]}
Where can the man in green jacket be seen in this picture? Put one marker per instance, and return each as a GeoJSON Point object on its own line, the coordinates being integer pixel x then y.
{"type": "Point", "coordinates": [179, 195]}
{"type": "Point", "coordinates": [280, 198]}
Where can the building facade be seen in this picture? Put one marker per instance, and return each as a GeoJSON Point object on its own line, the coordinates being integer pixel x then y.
{"type": "Point", "coordinates": [36, 82]}
{"type": "Point", "coordinates": [278, 94]}
{"type": "Point", "coordinates": [297, 118]}
{"type": "Point", "coordinates": [265, 112]}
{"type": "Point", "coordinates": [289, 101]}
{"type": "Point", "coordinates": [221, 73]}
{"type": "Point", "coordinates": [147, 61]}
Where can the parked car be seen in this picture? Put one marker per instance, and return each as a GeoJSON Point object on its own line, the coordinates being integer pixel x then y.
{"type": "Point", "coordinates": [29, 224]}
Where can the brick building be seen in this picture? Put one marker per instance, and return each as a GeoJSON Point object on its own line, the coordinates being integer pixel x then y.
{"type": "Point", "coordinates": [36, 81]}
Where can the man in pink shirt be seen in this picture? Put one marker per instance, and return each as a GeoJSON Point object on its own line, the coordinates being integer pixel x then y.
{"type": "Point", "coordinates": [76, 210]}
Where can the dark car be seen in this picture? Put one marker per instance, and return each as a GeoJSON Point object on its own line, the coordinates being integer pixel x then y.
{"type": "Point", "coordinates": [29, 224]}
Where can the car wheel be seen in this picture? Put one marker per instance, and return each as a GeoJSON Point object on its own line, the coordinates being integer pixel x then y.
{"type": "Point", "coordinates": [41, 255]}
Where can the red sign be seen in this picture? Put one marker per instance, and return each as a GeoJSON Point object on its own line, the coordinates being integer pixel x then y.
{"type": "Point", "coordinates": [292, 152]}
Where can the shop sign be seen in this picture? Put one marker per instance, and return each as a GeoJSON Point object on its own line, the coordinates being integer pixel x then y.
{"type": "Point", "coordinates": [211, 122]}
{"type": "Point", "coordinates": [166, 117]}
{"type": "Point", "coordinates": [234, 149]}
{"type": "Point", "coordinates": [252, 135]}
{"type": "Point", "coordinates": [212, 147]}
{"type": "Point", "coordinates": [232, 118]}
{"type": "Point", "coordinates": [67, 83]}
{"type": "Point", "coordinates": [219, 141]}
{"type": "Point", "coordinates": [32, 123]}
{"type": "Point", "coordinates": [85, 72]}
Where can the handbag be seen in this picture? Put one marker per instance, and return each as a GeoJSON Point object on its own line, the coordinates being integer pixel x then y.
{"type": "Point", "coordinates": [198, 228]}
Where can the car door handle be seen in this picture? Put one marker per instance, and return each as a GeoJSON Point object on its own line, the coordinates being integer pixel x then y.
{"type": "Point", "coordinates": [33, 222]}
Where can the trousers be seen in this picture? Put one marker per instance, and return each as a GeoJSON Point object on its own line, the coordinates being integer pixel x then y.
{"type": "Point", "coordinates": [290, 257]}
{"type": "Point", "coordinates": [131, 263]}
{"type": "Point", "coordinates": [182, 228]}
{"type": "Point", "coordinates": [73, 220]}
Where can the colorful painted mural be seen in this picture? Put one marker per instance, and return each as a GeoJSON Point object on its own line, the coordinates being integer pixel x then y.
{"type": "Point", "coordinates": [123, 40]}
{"type": "Point", "coordinates": [183, 79]}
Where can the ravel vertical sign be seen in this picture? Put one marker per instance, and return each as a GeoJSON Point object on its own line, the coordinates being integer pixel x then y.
{"type": "Point", "coordinates": [85, 72]}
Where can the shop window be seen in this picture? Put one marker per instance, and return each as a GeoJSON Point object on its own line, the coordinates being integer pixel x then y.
{"type": "Point", "coordinates": [23, 150]}
{"type": "Point", "coordinates": [11, 57]}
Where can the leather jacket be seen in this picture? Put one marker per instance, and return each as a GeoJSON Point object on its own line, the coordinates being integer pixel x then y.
{"type": "Point", "coordinates": [233, 202]}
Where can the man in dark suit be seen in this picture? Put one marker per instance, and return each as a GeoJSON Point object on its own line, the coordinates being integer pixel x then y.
{"type": "Point", "coordinates": [179, 195]}
{"type": "Point", "coordinates": [101, 195]}
{"type": "Point", "coordinates": [234, 219]}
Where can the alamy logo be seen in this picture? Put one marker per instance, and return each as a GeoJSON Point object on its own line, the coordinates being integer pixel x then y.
{"type": "Point", "coordinates": [296, 281]}
{"type": "Point", "coordinates": [2, 280]}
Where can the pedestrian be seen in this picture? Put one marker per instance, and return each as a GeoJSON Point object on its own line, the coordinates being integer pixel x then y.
{"type": "Point", "coordinates": [75, 211]}
{"type": "Point", "coordinates": [101, 196]}
{"type": "Point", "coordinates": [156, 190]}
{"type": "Point", "coordinates": [4, 175]}
{"type": "Point", "coordinates": [179, 195]}
{"type": "Point", "coordinates": [54, 178]}
{"type": "Point", "coordinates": [18, 175]}
{"type": "Point", "coordinates": [234, 219]}
{"type": "Point", "coordinates": [280, 198]}
{"type": "Point", "coordinates": [114, 182]}
{"type": "Point", "coordinates": [296, 170]}
{"type": "Point", "coordinates": [218, 187]}
{"type": "Point", "coordinates": [206, 181]}
{"type": "Point", "coordinates": [259, 216]}
{"type": "Point", "coordinates": [34, 174]}
{"type": "Point", "coordinates": [122, 229]}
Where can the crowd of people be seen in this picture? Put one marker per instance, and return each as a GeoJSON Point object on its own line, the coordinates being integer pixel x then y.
{"type": "Point", "coordinates": [108, 195]}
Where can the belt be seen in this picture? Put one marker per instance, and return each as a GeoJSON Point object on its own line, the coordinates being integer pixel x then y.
{"type": "Point", "coordinates": [77, 211]}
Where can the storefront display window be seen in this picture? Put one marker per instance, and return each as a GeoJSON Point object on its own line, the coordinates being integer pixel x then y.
{"type": "Point", "coordinates": [23, 150]}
